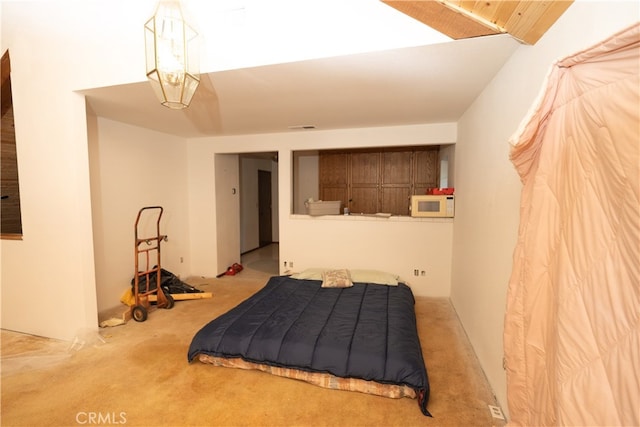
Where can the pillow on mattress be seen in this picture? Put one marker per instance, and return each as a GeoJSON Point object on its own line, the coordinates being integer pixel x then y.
{"type": "Point", "coordinates": [357, 276]}
{"type": "Point", "coordinates": [374, 276]}
{"type": "Point", "coordinates": [336, 279]}
{"type": "Point", "coordinates": [309, 274]}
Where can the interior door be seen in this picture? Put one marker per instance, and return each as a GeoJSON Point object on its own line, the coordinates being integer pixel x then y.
{"type": "Point", "coordinates": [264, 208]}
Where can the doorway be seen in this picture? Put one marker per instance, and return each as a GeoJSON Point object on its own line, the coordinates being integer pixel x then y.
{"type": "Point", "coordinates": [259, 215]}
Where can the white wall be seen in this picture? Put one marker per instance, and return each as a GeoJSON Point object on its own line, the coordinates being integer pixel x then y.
{"type": "Point", "coordinates": [397, 245]}
{"type": "Point", "coordinates": [305, 178]}
{"type": "Point", "coordinates": [487, 186]}
{"type": "Point", "coordinates": [48, 278]}
{"type": "Point", "coordinates": [55, 52]}
{"type": "Point", "coordinates": [227, 211]}
{"type": "Point", "coordinates": [394, 245]}
{"type": "Point", "coordinates": [132, 168]}
{"type": "Point", "coordinates": [448, 152]}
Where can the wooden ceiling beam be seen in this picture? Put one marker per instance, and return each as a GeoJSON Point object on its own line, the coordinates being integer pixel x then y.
{"type": "Point", "coordinates": [444, 19]}
{"type": "Point", "coordinates": [531, 19]}
{"type": "Point", "coordinates": [526, 21]}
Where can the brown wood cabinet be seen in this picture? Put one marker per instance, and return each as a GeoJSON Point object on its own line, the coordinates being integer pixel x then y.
{"type": "Point", "coordinates": [333, 170]}
{"type": "Point", "coordinates": [377, 180]}
{"type": "Point", "coordinates": [10, 215]}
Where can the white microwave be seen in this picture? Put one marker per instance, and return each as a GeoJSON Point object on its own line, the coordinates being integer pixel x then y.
{"type": "Point", "coordinates": [426, 205]}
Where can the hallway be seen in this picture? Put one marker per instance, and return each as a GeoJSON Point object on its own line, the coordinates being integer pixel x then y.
{"type": "Point", "coordinates": [264, 259]}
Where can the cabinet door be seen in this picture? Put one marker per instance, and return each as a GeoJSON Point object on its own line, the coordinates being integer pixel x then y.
{"type": "Point", "coordinates": [397, 169]}
{"type": "Point", "coordinates": [426, 170]}
{"type": "Point", "coordinates": [333, 176]}
{"type": "Point", "coordinates": [365, 180]}
{"type": "Point", "coordinates": [378, 180]}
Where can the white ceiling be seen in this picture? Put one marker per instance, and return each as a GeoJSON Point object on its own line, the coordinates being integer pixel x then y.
{"type": "Point", "coordinates": [412, 85]}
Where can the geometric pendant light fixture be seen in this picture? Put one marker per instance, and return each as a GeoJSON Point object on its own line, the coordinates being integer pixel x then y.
{"type": "Point", "coordinates": [172, 55]}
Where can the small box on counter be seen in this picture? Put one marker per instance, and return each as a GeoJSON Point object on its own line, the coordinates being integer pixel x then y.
{"type": "Point", "coordinates": [323, 207]}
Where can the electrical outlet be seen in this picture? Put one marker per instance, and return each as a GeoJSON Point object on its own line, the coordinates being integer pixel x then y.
{"type": "Point", "coordinates": [416, 272]}
{"type": "Point", "coordinates": [181, 260]}
{"type": "Point", "coordinates": [496, 412]}
{"type": "Point", "coordinates": [423, 273]}
{"type": "Point", "coordinates": [291, 264]}
{"type": "Point", "coordinates": [285, 263]}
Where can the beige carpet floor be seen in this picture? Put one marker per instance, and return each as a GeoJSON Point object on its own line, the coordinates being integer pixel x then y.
{"type": "Point", "coordinates": [137, 375]}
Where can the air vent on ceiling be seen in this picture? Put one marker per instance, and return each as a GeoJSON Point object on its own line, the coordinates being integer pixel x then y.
{"type": "Point", "coordinates": [302, 127]}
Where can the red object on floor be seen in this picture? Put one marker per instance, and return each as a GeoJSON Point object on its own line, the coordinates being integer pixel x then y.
{"type": "Point", "coordinates": [230, 271]}
{"type": "Point", "coordinates": [237, 267]}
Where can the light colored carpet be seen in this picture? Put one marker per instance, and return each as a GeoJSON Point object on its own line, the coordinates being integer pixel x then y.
{"type": "Point", "coordinates": [138, 375]}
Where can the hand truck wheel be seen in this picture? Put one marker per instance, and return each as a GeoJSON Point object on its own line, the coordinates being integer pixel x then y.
{"type": "Point", "coordinates": [139, 313]}
{"type": "Point", "coordinates": [170, 301]}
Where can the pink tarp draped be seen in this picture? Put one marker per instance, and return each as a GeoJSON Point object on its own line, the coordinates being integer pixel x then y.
{"type": "Point", "coordinates": [572, 325]}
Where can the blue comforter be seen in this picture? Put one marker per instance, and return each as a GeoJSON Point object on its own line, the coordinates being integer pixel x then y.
{"type": "Point", "coordinates": [367, 331]}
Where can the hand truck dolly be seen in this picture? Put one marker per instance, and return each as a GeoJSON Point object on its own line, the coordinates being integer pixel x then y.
{"type": "Point", "coordinates": [140, 310]}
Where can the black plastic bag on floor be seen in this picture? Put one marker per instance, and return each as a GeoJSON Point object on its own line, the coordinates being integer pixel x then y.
{"type": "Point", "coordinates": [169, 282]}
